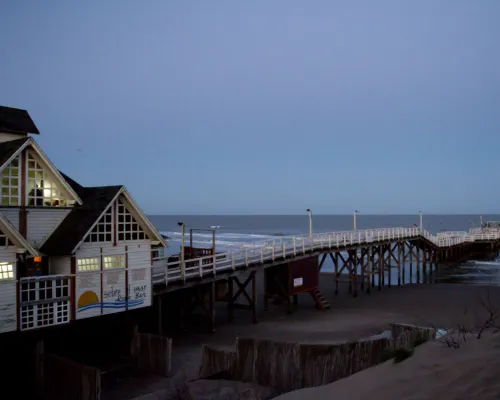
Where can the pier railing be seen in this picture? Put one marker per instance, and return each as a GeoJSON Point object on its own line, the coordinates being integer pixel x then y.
{"type": "Point", "coordinates": [293, 246]}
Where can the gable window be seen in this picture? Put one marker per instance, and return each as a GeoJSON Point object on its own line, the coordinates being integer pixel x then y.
{"type": "Point", "coordinates": [4, 240]}
{"type": "Point", "coordinates": [114, 262]}
{"type": "Point", "coordinates": [103, 231]}
{"type": "Point", "coordinates": [127, 226]}
{"type": "Point", "coordinates": [42, 189]}
{"type": "Point", "coordinates": [6, 271]}
{"type": "Point", "coordinates": [10, 184]}
{"type": "Point", "coordinates": [87, 264]}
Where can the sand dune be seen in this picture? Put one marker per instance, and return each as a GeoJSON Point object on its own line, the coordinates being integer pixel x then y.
{"type": "Point", "coordinates": [433, 372]}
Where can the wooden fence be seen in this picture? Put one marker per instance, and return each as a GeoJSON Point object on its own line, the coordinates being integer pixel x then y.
{"type": "Point", "coordinates": [65, 379]}
{"type": "Point", "coordinates": [152, 353]}
{"type": "Point", "coordinates": [292, 366]}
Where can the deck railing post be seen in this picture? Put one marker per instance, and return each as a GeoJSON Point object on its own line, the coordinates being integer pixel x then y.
{"type": "Point", "coordinates": [283, 248]}
{"type": "Point", "coordinates": [303, 246]}
{"type": "Point", "coordinates": [337, 239]}
{"type": "Point", "coordinates": [294, 246]}
{"type": "Point", "coordinates": [200, 267]}
{"type": "Point", "coordinates": [246, 257]}
{"type": "Point", "coordinates": [272, 252]}
{"type": "Point", "coordinates": [214, 264]}
{"type": "Point", "coordinates": [330, 241]}
{"type": "Point", "coordinates": [262, 254]}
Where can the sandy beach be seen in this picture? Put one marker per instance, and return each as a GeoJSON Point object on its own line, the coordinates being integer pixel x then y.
{"type": "Point", "coordinates": [441, 305]}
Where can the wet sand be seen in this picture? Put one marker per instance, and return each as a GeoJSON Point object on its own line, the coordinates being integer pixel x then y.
{"type": "Point", "coordinates": [441, 305]}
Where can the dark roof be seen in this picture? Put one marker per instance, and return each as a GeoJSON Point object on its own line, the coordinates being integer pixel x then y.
{"type": "Point", "coordinates": [16, 121]}
{"type": "Point", "coordinates": [80, 219]}
{"type": "Point", "coordinates": [7, 149]}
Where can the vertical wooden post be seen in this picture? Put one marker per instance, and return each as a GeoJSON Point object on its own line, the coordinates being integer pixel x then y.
{"type": "Point", "coordinates": [399, 263]}
{"type": "Point", "coordinates": [380, 267]}
{"type": "Point", "coordinates": [254, 297]}
{"type": "Point", "coordinates": [336, 265]}
{"type": "Point", "coordinates": [411, 261]}
{"type": "Point", "coordinates": [389, 269]}
{"type": "Point", "coordinates": [355, 273]}
{"type": "Point", "coordinates": [363, 264]}
{"type": "Point", "coordinates": [372, 266]}
{"type": "Point", "coordinates": [230, 299]}
{"type": "Point", "coordinates": [418, 264]}
{"type": "Point", "coordinates": [368, 269]}
{"type": "Point", "coordinates": [212, 306]}
{"type": "Point", "coordinates": [404, 256]}
{"type": "Point", "coordinates": [349, 270]}
{"type": "Point", "coordinates": [160, 315]}
{"type": "Point", "coordinates": [424, 262]}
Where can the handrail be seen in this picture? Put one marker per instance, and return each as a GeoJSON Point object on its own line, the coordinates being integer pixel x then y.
{"type": "Point", "coordinates": [291, 246]}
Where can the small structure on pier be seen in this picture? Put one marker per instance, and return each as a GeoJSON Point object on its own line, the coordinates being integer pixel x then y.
{"type": "Point", "coordinates": [287, 281]}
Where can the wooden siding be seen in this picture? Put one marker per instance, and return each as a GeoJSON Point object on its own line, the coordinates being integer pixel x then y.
{"type": "Point", "coordinates": [42, 222]}
{"type": "Point", "coordinates": [139, 273]}
{"type": "Point", "coordinates": [60, 265]}
{"type": "Point", "coordinates": [8, 297]}
{"type": "Point", "coordinates": [12, 214]}
{"type": "Point", "coordinates": [113, 290]}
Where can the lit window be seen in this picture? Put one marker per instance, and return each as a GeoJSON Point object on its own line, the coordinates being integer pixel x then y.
{"type": "Point", "coordinates": [88, 264]}
{"type": "Point", "coordinates": [6, 271]}
{"type": "Point", "coordinates": [42, 190]}
{"type": "Point", "coordinates": [127, 227]}
{"type": "Point", "coordinates": [114, 262]}
{"type": "Point", "coordinates": [103, 231]}
{"type": "Point", "coordinates": [10, 183]}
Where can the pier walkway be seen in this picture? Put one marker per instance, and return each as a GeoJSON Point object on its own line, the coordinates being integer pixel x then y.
{"type": "Point", "coordinates": [287, 248]}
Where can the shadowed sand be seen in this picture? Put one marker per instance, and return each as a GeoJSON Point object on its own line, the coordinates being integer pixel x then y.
{"type": "Point", "coordinates": [443, 305]}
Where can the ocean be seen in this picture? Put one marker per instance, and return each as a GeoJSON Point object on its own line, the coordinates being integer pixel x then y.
{"type": "Point", "coordinates": [235, 230]}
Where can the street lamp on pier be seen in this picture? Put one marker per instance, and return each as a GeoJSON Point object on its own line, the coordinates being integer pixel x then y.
{"type": "Point", "coordinates": [355, 222]}
{"type": "Point", "coordinates": [421, 223]}
{"type": "Point", "coordinates": [310, 223]}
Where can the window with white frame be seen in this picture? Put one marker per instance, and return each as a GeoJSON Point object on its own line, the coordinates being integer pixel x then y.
{"type": "Point", "coordinates": [11, 184]}
{"type": "Point", "coordinates": [42, 189]}
{"type": "Point", "coordinates": [4, 240]}
{"type": "Point", "coordinates": [6, 271]}
{"type": "Point", "coordinates": [114, 262]}
{"type": "Point", "coordinates": [127, 226]}
{"type": "Point", "coordinates": [103, 231]}
{"type": "Point", "coordinates": [88, 264]}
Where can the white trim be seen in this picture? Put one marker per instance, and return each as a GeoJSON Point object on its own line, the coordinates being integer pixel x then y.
{"type": "Point", "coordinates": [136, 212]}
{"type": "Point", "coordinates": [47, 163]}
{"type": "Point", "coordinates": [96, 221]}
{"type": "Point", "coordinates": [13, 234]}
{"type": "Point", "coordinates": [142, 219]}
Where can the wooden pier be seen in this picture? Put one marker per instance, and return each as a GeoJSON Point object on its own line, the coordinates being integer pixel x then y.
{"type": "Point", "coordinates": [371, 259]}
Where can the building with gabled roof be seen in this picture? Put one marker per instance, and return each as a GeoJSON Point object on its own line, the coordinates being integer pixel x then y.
{"type": "Point", "coordinates": [67, 252]}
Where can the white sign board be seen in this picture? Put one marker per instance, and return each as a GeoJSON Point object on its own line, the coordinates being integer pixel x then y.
{"type": "Point", "coordinates": [298, 282]}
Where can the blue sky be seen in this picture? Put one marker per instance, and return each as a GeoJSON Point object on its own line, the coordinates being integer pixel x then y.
{"type": "Point", "coordinates": [264, 106]}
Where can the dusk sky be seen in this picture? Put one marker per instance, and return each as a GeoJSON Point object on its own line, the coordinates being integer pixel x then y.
{"type": "Point", "coordinates": [265, 107]}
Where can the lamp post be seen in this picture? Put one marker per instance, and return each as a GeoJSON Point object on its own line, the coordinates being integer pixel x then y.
{"type": "Point", "coordinates": [182, 261]}
{"type": "Point", "coordinates": [421, 223]}
{"type": "Point", "coordinates": [355, 222]}
{"type": "Point", "coordinates": [310, 223]}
